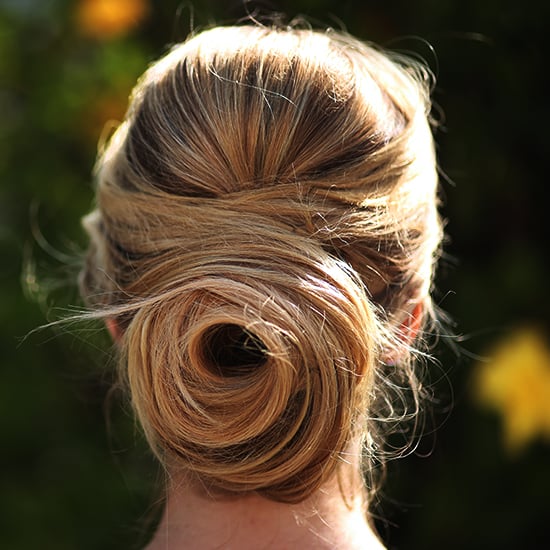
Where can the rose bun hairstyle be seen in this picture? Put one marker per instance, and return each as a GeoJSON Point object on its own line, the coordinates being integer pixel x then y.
{"type": "Point", "coordinates": [265, 227]}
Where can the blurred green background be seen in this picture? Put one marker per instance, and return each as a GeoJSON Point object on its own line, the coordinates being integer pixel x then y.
{"type": "Point", "coordinates": [75, 473]}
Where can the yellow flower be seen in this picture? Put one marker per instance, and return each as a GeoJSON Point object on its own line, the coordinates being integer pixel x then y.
{"type": "Point", "coordinates": [109, 18]}
{"type": "Point", "coordinates": [516, 383]}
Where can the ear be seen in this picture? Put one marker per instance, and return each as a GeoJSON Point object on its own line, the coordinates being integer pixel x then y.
{"type": "Point", "coordinates": [406, 333]}
{"type": "Point", "coordinates": [114, 329]}
{"type": "Point", "coordinates": [411, 324]}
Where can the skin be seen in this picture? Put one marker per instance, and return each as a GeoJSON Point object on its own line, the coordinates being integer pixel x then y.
{"type": "Point", "coordinates": [192, 521]}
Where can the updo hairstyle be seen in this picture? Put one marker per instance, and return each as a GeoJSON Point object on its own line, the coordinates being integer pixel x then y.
{"type": "Point", "coordinates": [265, 227]}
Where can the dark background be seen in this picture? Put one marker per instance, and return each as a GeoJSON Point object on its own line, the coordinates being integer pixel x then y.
{"type": "Point", "coordinates": [75, 472]}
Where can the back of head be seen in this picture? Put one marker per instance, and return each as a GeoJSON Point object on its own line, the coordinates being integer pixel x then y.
{"type": "Point", "coordinates": [265, 224]}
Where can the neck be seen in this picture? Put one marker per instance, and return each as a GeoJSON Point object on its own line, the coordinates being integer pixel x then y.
{"type": "Point", "coordinates": [326, 520]}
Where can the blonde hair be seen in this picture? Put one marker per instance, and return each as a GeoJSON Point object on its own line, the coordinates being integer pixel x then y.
{"type": "Point", "coordinates": [265, 225]}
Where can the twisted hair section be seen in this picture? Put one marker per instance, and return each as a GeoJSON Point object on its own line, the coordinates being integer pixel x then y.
{"type": "Point", "coordinates": [266, 224]}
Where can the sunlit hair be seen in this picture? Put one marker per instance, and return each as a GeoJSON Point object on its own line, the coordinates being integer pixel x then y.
{"type": "Point", "coordinates": [265, 228]}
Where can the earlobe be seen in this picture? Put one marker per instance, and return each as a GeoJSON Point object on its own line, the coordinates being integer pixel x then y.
{"type": "Point", "coordinates": [114, 329]}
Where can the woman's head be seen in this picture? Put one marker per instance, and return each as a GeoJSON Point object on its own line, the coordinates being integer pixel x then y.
{"type": "Point", "coordinates": [265, 228]}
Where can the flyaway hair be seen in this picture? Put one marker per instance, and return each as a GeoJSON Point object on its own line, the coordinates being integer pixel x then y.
{"type": "Point", "coordinates": [265, 226]}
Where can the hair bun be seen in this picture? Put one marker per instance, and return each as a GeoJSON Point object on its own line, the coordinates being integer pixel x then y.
{"type": "Point", "coordinates": [248, 370]}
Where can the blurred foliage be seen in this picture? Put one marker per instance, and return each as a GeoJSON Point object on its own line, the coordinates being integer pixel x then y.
{"type": "Point", "coordinates": [75, 471]}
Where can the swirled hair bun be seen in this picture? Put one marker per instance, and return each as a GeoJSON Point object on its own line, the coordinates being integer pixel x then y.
{"type": "Point", "coordinates": [265, 225]}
